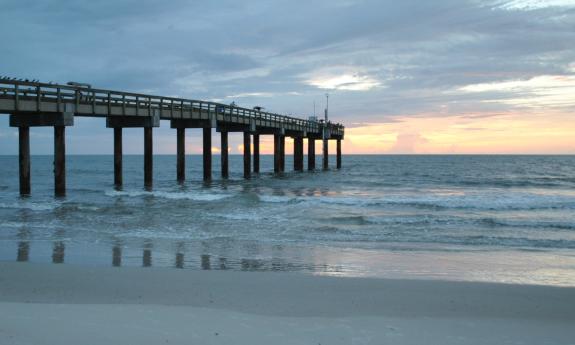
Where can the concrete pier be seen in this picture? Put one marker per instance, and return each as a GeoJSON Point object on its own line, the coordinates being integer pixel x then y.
{"type": "Point", "coordinates": [325, 154]}
{"type": "Point", "coordinates": [118, 124]}
{"type": "Point", "coordinates": [282, 153]}
{"type": "Point", "coordinates": [207, 153]}
{"type": "Point", "coordinates": [181, 154]}
{"type": "Point", "coordinates": [60, 160]}
{"type": "Point", "coordinates": [118, 166]}
{"type": "Point", "coordinates": [247, 155]}
{"type": "Point", "coordinates": [224, 155]}
{"type": "Point", "coordinates": [298, 153]}
{"type": "Point", "coordinates": [148, 157]}
{"type": "Point", "coordinates": [310, 154]}
{"type": "Point", "coordinates": [24, 159]}
{"type": "Point", "coordinates": [277, 154]}
{"type": "Point", "coordinates": [57, 120]}
{"type": "Point", "coordinates": [256, 153]}
{"type": "Point", "coordinates": [32, 104]}
{"type": "Point", "coordinates": [339, 153]}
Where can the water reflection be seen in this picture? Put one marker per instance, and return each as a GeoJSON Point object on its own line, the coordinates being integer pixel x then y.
{"type": "Point", "coordinates": [147, 254]}
{"type": "Point", "coordinates": [180, 248]}
{"type": "Point", "coordinates": [23, 251]}
{"type": "Point", "coordinates": [58, 247]}
{"type": "Point", "coordinates": [223, 263]}
{"type": "Point", "coordinates": [23, 245]}
{"type": "Point", "coordinates": [58, 252]}
{"type": "Point", "coordinates": [242, 257]}
{"type": "Point", "coordinates": [117, 255]}
{"type": "Point", "coordinates": [205, 259]}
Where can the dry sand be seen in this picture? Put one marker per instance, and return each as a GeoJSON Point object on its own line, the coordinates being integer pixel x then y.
{"type": "Point", "coordinates": [65, 304]}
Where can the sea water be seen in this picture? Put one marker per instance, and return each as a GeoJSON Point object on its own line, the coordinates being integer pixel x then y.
{"type": "Point", "coordinates": [480, 218]}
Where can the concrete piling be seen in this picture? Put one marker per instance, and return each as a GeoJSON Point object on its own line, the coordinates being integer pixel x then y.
{"type": "Point", "coordinates": [224, 155]}
{"type": "Point", "coordinates": [24, 159]}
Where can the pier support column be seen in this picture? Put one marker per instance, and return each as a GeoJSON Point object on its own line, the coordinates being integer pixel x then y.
{"type": "Point", "coordinates": [24, 159]}
{"type": "Point", "coordinates": [118, 180]}
{"type": "Point", "coordinates": [325, 154]}
{"type": "Point", "coordinates": [207, 153]}
{"type": "Point", "coordinates": [256, 153]}
{"type": "Point", "coordinates": [118, 123]}
{"type": "Point", "coordinates": [339, 153]}
{"type": "Point", "coordinates": [247, 155]}
{"type": "Point", "coordinates": [148, 157]}
{"type": "Point", "coordinates": [282, 153]}
{"type": "Point", "coordinates": [181, 154]}
{"type": "Point", "coordinates": [60, 160]}
{"type": "Point", "coordinates": [57, 120]}
{"type": "Point", "coordinates": [310, 154]}
{"type": "Point", "coordinates": [277, 155]}
{"type": "Point", "coordinates": [298, 154]}
{"type": "Point", "coordinates": [224, 155]}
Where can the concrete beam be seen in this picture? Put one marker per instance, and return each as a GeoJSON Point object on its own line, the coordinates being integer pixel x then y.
{"type": "Point", "coordinates": [42, 120]}
{"type": "Point", "coordinates": [192, 123]}
{"type": "Point", "coordinates": [133, 121]}
{"type": "Point", "coordinates": [270, 131]}
{"type": "Point", "coordinates": [295, 134]}
{"type": "Point", "coordinates": [232, 127]}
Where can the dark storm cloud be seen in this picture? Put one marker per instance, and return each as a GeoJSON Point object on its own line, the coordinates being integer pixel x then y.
{"type": "Point", "coordinates": [412, 56]}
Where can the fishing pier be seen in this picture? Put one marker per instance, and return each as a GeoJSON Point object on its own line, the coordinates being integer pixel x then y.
{"type": "Point", "coordinates": [32, 104]}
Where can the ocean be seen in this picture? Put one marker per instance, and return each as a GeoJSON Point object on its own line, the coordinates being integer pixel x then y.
{"type": "Point", "coordinates": [493, 218]}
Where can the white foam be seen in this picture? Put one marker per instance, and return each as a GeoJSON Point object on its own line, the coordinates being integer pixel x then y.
{"type": "Point", "coordinates": [30, 206]}
{"type": "Point", "coordinates": [483, 201]}
{"type": "Point", "coordinates": [171, 195]}
{"type": "Point", "coordinates": [275, 198]}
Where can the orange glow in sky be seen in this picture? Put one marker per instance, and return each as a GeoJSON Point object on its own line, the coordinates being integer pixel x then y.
{"type": "Point", "coordinates": [507, 133]}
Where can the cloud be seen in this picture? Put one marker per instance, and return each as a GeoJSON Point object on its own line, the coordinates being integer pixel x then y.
{"type": "Point", "coordinates": [379, 59]}
{"type": "Point", "coordinates": [408, 143]}
{"type": "Point", "coordinates": [541, 91]}
{"type": "Point", "coordinates": [345, 82]}
{"type": "Point", "coordinates": [527, 5]}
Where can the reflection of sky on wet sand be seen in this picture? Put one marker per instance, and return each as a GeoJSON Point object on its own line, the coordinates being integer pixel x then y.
{"type": "Point", "coordinates": [520, 267]}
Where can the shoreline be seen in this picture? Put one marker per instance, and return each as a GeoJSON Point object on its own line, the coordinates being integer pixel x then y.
{"type": "Point", "coordinates": [50, 298]}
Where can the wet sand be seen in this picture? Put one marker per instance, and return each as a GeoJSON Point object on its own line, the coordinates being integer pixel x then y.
{"type": "Point", "coordinates": [66, 304]}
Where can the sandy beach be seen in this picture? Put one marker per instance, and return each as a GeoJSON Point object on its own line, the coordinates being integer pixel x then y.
{"type": "Point", "coordinates": [66, 304]}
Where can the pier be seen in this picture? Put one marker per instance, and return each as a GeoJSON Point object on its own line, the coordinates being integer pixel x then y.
{"type": "Point", "coordinates": [33, 104]}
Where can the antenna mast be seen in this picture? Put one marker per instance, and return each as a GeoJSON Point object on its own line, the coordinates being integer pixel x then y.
{"type": "Point", "coordinates": [326, 105]}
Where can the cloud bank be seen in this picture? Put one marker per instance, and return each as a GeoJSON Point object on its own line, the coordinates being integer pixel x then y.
{"type": "Point", "coordinates": [381, 61]}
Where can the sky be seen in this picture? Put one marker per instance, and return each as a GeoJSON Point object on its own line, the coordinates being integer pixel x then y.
{"type": "Point", "coordinates": [437, 77]}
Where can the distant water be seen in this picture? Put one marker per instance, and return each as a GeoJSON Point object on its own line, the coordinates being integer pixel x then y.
{"type": "Point", "coordinates": [488, 218]}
